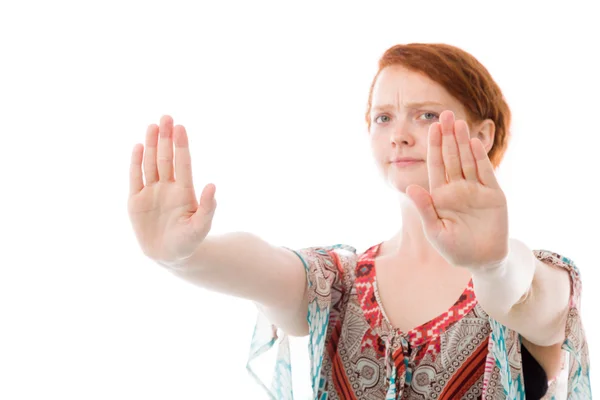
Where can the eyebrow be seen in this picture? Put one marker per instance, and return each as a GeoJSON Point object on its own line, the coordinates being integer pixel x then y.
{"type": "Point", "coordinates": [409, 105]}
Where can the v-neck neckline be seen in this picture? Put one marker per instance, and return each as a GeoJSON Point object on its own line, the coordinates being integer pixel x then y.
{"type": "Point", "coordinates": [374, 312]}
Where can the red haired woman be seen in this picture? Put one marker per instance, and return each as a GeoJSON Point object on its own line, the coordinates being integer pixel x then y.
{"type": "Point", "coordinates": [450, 307]}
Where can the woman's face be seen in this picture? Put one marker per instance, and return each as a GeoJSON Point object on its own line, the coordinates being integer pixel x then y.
{"type": "Point", "coordinates": [404, 105]}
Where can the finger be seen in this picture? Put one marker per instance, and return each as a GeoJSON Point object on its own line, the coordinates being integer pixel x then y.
{"type": "Point", "coordinates": [467, 160]}
{"type": "Point", "coordinates": [164, 157]}
{"type": "Point", "coordinates": [136, 179]}
{"type": "Point", "coordinates": [424, 203]}
{"type": "Point", "coordinates": [485, 169]}
{"type": "Point", "coordinates": [150, 170]}
{"type": "Point", "coordinates": [208, 202]}
{"type": "Point", "coordinates": [202, 218]}
{"type": "Point", "coordinates": [450, 148]}
{"type": "Point", "coordinates": [435, 162]}
{"type": "Point", "coordinates": [183, 159]}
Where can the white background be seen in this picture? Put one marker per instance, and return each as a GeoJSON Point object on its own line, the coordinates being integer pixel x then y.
{"type": "Point", "coordinates": [273, 97]}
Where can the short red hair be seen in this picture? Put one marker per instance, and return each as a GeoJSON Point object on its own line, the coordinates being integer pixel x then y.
{"type": "Point", "coordinates": [463, 77]}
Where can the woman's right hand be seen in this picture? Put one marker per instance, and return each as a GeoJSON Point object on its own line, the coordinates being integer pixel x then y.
{"type": "Point", "coordinates": [167, 219]}
{"type": "Point", "coordinates": [170, 226]}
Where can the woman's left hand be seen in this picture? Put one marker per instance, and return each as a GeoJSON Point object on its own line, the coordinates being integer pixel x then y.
{"type": "Point", "coordinates": [465, 217]}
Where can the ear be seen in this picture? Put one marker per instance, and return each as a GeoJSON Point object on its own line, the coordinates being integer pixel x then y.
{"type": "Point", "coordinates": [485, 132]}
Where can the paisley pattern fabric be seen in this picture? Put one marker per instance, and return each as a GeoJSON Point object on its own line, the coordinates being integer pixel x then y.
{"type": "Point", "coordinates": [355, 353]}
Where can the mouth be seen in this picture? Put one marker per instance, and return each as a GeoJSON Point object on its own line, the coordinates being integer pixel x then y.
{"type": "Point", "coordinates": [406, 163]}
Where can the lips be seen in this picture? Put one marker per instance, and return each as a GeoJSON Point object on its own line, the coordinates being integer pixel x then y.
{"type": "Point", "coordinates": [405, 159]}
{"type": "Point", "coordinates": [406, 162]}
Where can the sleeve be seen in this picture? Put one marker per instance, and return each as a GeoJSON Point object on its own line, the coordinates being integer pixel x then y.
{"type": "Point", "coordinates": [504, 350]}
{"type": "Point", "coordinates": [324, 268]}
{"type": "Point", "coordinates": [575, 343]}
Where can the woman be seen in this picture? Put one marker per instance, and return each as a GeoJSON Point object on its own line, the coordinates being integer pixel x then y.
{"type": "Point", "coordinates": [387, 323]}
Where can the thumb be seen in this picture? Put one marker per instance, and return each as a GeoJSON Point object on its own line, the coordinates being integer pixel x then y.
{"type": "Point", "coordinates": [424, 203]}
{"type": "Point", "coordinates": [207, 205]}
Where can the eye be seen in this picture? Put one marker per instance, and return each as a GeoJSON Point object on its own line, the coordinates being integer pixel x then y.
{"type": "Point", "coordinates": [381, 119]}
{"type": "Point", "coordinates": [429, 116]}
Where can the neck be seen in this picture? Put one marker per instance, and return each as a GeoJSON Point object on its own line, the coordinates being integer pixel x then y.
{"type": "Point", "coordinates": [410, 242]}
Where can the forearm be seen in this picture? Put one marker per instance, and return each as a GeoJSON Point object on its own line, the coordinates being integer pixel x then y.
{"type": "Point", "coordinates": [244, 265]}
{"type": "Point", "coordinates": [526, 295]}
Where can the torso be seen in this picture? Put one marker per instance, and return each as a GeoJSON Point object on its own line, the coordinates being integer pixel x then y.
{"type": "Point", "coordinates": [371, 358]}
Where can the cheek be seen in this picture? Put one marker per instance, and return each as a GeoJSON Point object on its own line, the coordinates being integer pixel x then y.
{"type": "Point", "coordinates": [380, 149]}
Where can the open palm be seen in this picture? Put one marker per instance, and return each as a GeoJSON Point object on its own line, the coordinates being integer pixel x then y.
{"type": "Point", "coordinates": [464, 214]}
{"type": "Point", "coordinates": [167, 219]}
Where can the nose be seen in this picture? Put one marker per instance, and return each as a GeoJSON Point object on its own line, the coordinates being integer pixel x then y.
{"type": "Point", "coordinates": [402, 135]}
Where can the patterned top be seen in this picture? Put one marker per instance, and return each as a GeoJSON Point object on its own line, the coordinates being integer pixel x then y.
{"type": "Point", "coordinates": [355, 352]}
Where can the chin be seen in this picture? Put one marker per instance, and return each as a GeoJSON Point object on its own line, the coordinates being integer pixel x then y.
{"type": "Point", "coordinates": [400, 181]}
{"type": "Point", "coordinates": [400, 186]}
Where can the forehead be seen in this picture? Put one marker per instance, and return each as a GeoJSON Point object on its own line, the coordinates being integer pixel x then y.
{"type": "Point", "coordinates": [399, 85]}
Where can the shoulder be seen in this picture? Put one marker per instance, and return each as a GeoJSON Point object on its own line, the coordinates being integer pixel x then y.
{"type": "Point", "coordinates": [328, 267]}
{"type": "Point", "coordinates": [556, 259]}
{"type": "Point", "coordinates": [326, 256]}
{"type": "Point", "coordinates": [567, 264]}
